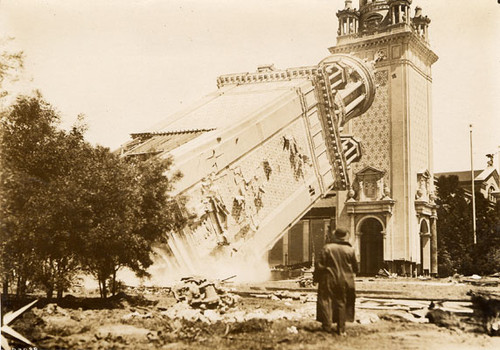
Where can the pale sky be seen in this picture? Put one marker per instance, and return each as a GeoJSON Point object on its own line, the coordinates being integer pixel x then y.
{"type": "Point", "coordinates": [127, 64]}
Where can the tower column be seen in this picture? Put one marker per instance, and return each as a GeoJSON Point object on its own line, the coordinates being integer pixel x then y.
{"type": "Point", "coordinates": [434, 254]}
{"type": "Point", "coordinates": [305, 240]}
{"type": "Point", "coordinates": [285, 248]}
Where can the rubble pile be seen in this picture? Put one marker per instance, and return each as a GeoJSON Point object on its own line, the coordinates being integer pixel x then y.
{"type": "Point", "coordinates": [291, 310]}
{"type": "Point", "coordinates": [483, 281]}
{"type": "Point", "coordinates": [307, 279]}
{"type": "Point", "coordinates": [383, 273]}
{"type": "Point", "coordinates": [207, 301]}
{"type": "Point", "coordinates": [203, 294]}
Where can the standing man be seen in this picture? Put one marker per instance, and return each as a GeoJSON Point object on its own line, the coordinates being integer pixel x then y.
{"type": "Point", "coordinates": [335, 273]}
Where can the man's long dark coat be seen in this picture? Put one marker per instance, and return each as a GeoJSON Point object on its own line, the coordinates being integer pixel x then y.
{"type": "Point", "coordinates": [335, 272]}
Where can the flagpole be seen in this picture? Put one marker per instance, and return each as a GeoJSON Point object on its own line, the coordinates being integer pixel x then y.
{"type": "Point", "coordinates": [473, 190]}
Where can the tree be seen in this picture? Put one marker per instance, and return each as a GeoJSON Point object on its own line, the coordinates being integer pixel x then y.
{"type": "Point", "coordinates": [58, 224]}
{"type": "Point", "coordinates": [456, 249]}
{"type": "Point", "coordinates": [485, 255]}
{"type": "Point", "coordinates": [37, 193]}
{"type": "Point", "coordinates": [68, 206]}
{"type": "Point", "coordinates": [131, 211]}
{"type": "Point", "coordinates": [25, 133]}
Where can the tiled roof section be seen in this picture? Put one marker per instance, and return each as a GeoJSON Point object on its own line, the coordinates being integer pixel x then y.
{"type": "Point", "coordinates": [486, 173]}
{"type": "Point", "coordinates": [462, 175]}
{"type": "Point", "coordinates": [159, 143]}
{"type": "Point", "coordinates": [226, 107]}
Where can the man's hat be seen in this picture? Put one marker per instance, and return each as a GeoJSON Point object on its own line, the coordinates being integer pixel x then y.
{"type": "Point", "coordinates": [341, 234]}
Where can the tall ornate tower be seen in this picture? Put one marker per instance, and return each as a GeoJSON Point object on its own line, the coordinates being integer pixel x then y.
{"type": "Point", "coordinates": [390, 205]}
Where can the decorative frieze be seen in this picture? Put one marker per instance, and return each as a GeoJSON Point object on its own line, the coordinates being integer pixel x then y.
{"type": "Point", "coordinates": [406, 37]}
{"type": "Point", "coordinates": [262, 76]}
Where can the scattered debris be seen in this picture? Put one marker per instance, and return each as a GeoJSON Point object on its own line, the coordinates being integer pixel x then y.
{"type": "Point", "coordinates": [284, 294]}
{"type": "Point", "coordinates": [383, 273]}
{"type": "Point", "coordinates": [275, 316]}
{"type": "Point", "coordinates": [443, 318]}
{"type": "Point", "coordinates": [460, 307]}
{"type": "Point", "coordinates": [363, 317]}
{"type": "Point", "coordinates": [487, 306]}
{"type": "Point", "coordinates": [123, 330]}
{"type": "Point", "coordinates": [306, 280]}
{"type": "Point", "coordinates": [136, 314]}
{"type": "Point", "coordinates": [203, 294]}
{"type": "Point", "coordinates": [476, 280]}
{"type": "Point", "coordinates": [398, 315]}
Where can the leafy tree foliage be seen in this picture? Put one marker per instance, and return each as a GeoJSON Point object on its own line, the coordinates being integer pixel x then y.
{"type": "Point", "coordinates": [130, 211]}
{"type": "Point", "coordinates": [457, 252]}
{"type": "Point", "coordinates": [27, 136]}
{"type": "Point", "coordinates": [486, 253]}
{"type": "Point", "coordinates": [68, 206]}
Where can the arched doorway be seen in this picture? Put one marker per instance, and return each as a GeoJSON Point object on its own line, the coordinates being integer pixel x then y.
{"type": "Point", "coordinates": [371, 247]}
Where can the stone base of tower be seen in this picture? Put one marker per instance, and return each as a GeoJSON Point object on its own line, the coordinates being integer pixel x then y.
{"type": "Point", "coordinates": [404, 268]}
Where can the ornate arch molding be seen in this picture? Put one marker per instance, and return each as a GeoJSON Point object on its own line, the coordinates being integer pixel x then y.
{"type": "Point", "coordinates": [426, 232]}
{"type": "Point", "coordinates": [359, 220]}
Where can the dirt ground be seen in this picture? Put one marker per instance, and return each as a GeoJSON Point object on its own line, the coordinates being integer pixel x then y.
{"type": "Point", "coordinates": [152, 319]}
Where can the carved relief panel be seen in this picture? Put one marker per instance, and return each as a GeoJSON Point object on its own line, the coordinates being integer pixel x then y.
{"type": "Point", "coordinates": [369, 185]}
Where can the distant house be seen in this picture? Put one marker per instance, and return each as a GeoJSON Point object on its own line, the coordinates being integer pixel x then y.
{"type": "Point", "coordinates": [486, 181]}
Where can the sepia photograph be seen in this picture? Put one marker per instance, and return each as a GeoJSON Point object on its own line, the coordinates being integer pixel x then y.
{"type": "Point", "coordinates": [267, 174]}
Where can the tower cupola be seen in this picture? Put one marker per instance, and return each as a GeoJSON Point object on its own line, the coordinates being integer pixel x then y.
{"type": "Point", "coordinates": [348, 20]}
{"type": "Point", "coordinates": [399, 11]}
{"type": "Point", "coordinates": [421, 24]}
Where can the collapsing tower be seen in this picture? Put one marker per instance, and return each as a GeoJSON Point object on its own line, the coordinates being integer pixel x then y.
{"type": "Point", "coordinates": [256, 155]}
